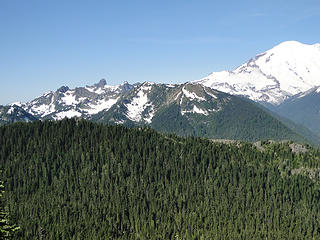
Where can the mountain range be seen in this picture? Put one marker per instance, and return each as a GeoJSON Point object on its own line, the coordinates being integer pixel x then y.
{"type": "Point", "coordinates": [227, 104]}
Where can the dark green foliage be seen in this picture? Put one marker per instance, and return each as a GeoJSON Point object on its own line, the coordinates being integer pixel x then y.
{"type": "Point", "coordinates": [239, 119]}
{"type": "Point", "coordinates": [170, 120]}
{"type": "Point", "coordinates": [298, 128]}
{"type": "Point", "coordinates": [302, 109]}
{"type": "Point", "coordinates": [75, 179]}
{"type": "Point", "coordinates": [6, 229]}
{"type": "Point", "coordinates": [243, 119]}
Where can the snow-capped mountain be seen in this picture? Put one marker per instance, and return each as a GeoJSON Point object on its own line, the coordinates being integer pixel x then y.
{"type": "Point", "coordinates": [14, 113]}
{"type": "Point", "coordinates": [144, 102]}
{"type": "Point", "coordinates": [78, 102]}
{"type": "Point", "coordinates": [194, 109]}
{"type": "Point", "coordinates": [273, 76]}
{"type": "Point", "coordinates": [203, 107]}
{"type": "Point", "coordinates": [185, 109]}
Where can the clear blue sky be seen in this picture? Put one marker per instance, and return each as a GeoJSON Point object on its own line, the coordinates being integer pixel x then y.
{"type": "Point", "coordinates": [47, 44]}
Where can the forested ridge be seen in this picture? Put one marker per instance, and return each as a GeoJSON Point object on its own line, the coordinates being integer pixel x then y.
{"type": "Point", "coordinates": [74, 179]}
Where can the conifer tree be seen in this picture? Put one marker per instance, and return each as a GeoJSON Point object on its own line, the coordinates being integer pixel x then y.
{"type": "Point", "coordinates": [6, 229]}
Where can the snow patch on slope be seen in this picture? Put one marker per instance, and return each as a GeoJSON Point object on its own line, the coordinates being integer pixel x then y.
{"type": "Point", "coordinates": [67, 114]}
{"type": "Point", "coordinates": [43, 109]}
{"type": "Point", "coordinates": [192, 95]}
{"type": "Point", "coordinates": [69, 98]}
{"type": "Point", "coordinates": [210, 94]}
{"type": "Point", "coordinates": [138, 104]}
{"type": "Point", "coordinates": [177, 96]}
{"type": "Point", "coordinates": [10, 110]}
{"type": "Point", "coordinates": [101, 105]}
{"type": "Point", "coordinates": [195, 110]}
{"type": "Point", "coordinates": [151, 113]}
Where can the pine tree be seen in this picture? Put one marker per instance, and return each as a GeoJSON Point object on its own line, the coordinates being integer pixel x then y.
{"type": "Point", "coordinates": [6, 229]}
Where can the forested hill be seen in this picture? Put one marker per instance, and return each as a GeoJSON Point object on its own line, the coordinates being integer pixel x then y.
{"type": "Point", "coordinates": [74, 179]}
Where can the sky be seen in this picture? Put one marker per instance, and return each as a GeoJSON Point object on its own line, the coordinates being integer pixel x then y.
{"type": "Point", "coordinates": [48, 44]}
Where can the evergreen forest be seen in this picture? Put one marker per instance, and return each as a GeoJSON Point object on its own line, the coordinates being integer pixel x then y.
{"type": "Point", "coordinates": [75, 179]}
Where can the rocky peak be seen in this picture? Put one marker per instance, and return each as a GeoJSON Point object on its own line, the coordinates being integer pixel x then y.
{"type": "Point", "coordinates": [101, 83]}
{"type": "Point", "coordinates": [63, 89]}
{"type": "Point", "coordinates": [126, 86]}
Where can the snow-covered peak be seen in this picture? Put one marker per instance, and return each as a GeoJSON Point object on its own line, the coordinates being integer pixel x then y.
{"type": "Point", "coordinates": [46, 94]}
{"type": "Point", "coordinates": [289, 44]}
{"type": "Point", "coordinates": [19, 104]}
{"type": "Point", "coordinates": [272, 76]}
{"type": "Point", "coordinates": [317, 45]}
{"type": "Point", "coordinates": [148, 84]}
{"type": "Point", "coordinates": [80, 101]}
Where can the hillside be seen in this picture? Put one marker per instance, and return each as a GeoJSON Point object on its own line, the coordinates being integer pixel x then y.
{"type": "Point", "coordinates": [75, 179]}
{"type": "Point", "coordinates": [304, 109]}
{"type": "Point", "coordinates": [195, 110]}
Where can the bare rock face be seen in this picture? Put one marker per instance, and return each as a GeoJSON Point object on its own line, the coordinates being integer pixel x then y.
{"type": "Point", "coordinates": [298, 148]}
{"type": "Point", "coordinates": [101, 83]}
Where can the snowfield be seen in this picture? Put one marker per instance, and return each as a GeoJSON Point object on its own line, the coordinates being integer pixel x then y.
{"type": "Point", "coordinates": [283, 71]}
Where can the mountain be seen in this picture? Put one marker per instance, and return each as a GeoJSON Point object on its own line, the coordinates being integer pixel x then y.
{"type": "Point", "coordinates": [272, 76]}
{"type": "Point", "coordinates": [205, 107]}
{"type": "Point", "coordinates": [303, 108]}
{"type": "Point", "coordinates": [14, 113]}
{"type": "Point", "coordinates": [193, 109]}
{"type": "Point", "coordinates": [78, 102]}
{"type": "Point", "coordinates": [189, 109]}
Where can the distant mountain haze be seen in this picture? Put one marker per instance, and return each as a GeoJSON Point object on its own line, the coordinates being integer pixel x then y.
{"type": "Point", "coordinates": [303, 108]}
